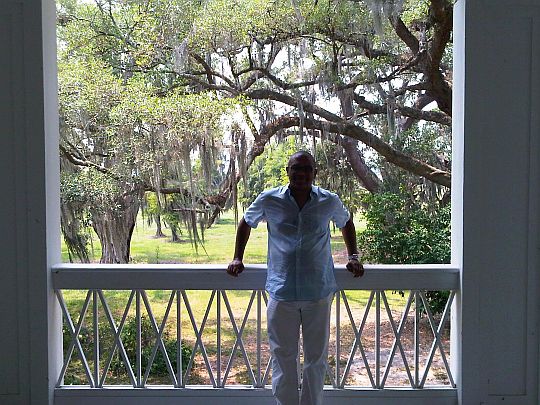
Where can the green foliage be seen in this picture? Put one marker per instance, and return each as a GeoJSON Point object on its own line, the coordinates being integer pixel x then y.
{"type": "Point", "coordinates": [125, 34]}
{"type": "Point", "coordinates": [225, 26]}
{"type": "Point", "coordinates": [126, 127]}
{"type": "Point", "coordinates": [151, 205]}
{"type": "Point", "coordinates": [129, 340]}
{"type": "Point", "coordinates": [428, 143]}
{"type": "Point", "coordinates": [267, 171]}
{"type": "Point", "coordinates": [335, 174]}
{"type": "Point", "coordinates": [401, 230]}
{"type": "Point", "coordinates": [90, 188]}
{"type": "Point", "coordinates": [415, 10]}
{"type": "Point", "coordinates": [159, 367]}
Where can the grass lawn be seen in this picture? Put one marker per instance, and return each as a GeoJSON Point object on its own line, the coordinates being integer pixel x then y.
{"type": "Point", "coordinates": [218, 246]}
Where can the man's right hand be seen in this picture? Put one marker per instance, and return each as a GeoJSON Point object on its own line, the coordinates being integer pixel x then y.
{"type": "Point", "coordinates": [235, 267]}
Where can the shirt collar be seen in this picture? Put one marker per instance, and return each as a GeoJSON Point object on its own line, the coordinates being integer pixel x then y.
{"type": "Point", "coordinates": [286, 190]}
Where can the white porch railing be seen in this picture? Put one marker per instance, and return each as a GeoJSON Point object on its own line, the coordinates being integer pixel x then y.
{"type": "Point", "coordinates": [379, 349]}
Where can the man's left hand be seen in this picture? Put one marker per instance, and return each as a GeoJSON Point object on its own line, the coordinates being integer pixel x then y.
{"type": "Point", "coordinates": [355, 267]}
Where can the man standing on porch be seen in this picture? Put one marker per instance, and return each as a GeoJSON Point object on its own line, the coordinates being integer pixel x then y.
{"type": "Point", "coordinates": [300, 278]}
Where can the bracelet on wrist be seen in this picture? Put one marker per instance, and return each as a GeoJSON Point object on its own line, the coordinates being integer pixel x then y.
{"type": "Point", "coordinates": [354, 256]}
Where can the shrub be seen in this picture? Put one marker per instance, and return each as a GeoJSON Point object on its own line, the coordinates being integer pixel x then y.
{"type": "Point", "coordinates": [129, 340]}
{"type": "Point", "coordinates": [148, 341]}
{"type": "Point", "coordinates": [400, 230]}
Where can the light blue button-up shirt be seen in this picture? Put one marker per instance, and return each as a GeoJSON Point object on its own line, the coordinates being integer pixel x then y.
{"type": "Point", "coordinates": [300, 265]}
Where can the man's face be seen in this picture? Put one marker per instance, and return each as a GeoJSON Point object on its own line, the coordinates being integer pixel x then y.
{"type": "Point", "coordinates": [301, 172]}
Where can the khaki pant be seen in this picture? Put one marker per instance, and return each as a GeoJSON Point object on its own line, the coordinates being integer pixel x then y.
{"type": "Point", "coordinates": [284, 321]}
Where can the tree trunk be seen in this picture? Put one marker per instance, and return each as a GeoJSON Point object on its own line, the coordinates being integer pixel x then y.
{"type": "Point", "coordinates": [159, 231]}
{"type": "Point", "coordinates": [114, 228]}
{"type": "Point", "coordinates": [174, 233]}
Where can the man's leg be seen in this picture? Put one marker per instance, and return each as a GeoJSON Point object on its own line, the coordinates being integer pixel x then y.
{"type": "Point", "coordinates": [283, 333]}
{"type": "Point", "coordinates": [315, 334]}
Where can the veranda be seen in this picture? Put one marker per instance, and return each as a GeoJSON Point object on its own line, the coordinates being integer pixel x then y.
{"type": "Point", "coordinates": [495, 200]}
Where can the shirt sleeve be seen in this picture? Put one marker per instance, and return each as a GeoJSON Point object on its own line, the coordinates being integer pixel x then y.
{"type": "Point", "coordinates": [340, 214]}
{"type": "Point", "coordinates": [255, 212]}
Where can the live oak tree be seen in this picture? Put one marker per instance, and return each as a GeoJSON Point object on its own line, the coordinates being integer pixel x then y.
{"type": "Point", "coordinates": [120, 139]}
{"type": "Point", "coordinates": [382, 62]}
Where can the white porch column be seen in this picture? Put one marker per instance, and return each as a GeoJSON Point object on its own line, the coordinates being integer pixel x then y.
{"type": "Point", "coordinates": [29, 237]}
{"type": "Point", "coordinates": [497, 137]}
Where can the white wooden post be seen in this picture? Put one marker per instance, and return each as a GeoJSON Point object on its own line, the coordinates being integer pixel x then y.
{"type": "Point", "coordinates": [29, 239]}
{"type": "Point", "coordinates": [496, 135]}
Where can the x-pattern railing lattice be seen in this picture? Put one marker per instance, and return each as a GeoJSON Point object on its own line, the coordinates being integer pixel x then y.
{"type": "Point", "coordinates": [258, 373]}
{"type": "Point", "coordinates": [379, 376]}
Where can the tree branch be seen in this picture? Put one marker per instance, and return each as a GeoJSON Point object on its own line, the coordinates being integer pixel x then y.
{"type": "Point", "coordinates": [415, 113]}
{"type": "Point", "coordinates": [404, 34]}
{"type": "Point", "coordinates": [392, 155]}
{"type": "Point", "coordinates": [370, 181]}
{"type": "Point", "coordinates": [283, 84]}
{"type": "Point", "coordinates": [265, 94]}
{"type": "Point", "coordinates": [79, 161]}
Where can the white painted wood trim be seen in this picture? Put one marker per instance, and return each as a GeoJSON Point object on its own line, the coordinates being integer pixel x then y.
{"type": "Point", "coordinates": [248, 396]}
{"type": "Point", "coordinates": [52, 193]}
{"type": "Point", "coordinates": [458, 115]}
{"type": "Point", "coordinates": [211, 277]}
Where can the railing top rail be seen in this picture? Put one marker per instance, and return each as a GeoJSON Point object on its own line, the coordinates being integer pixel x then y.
{"type": "Point", "coordinates": [213, 277]}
